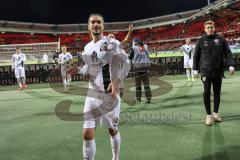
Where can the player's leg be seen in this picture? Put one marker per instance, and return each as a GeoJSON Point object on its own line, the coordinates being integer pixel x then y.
{"type": "Point", "coordinates": [193, 79]}
{"type": "Point", "coordinates": [19, 84]}
{"type": "Point", "coordinates": [188, 74]}
{"type": "Point", "coordinates": [217, 83]}
{"type": "Point", "coordinates": [69, 79]}
{"type": "Point", "coordinates": [64, 78]}
{"type": "Point", "coordinates": [69, 75]}
{"type": "Point", "coordinates": [206, 98]}
{"type": "Point", "coordinates": [90, 123]}
{"type": "Point", "coordinates": [23, 78]}
{"type": "Point", "coordinates": [65, 84]}
{"type": "Point", "coordinates": [112, 122]}
{"type": "Point", "coordinates": [17, 75]}
{"type": "Point", "coordinates": [147, 89]}
{"type": "Point", "coordinates": [138, 87]}
{"type": "Point", "coordinates": [115, 143]}
{"type": "Point", "coordinates": [187, 67]}
{"type": "Point", "coordinates": [89, 145]}
{"type": "Point", "coordinates": [191, 68]}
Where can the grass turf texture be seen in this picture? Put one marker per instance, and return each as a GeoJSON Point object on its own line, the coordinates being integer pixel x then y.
{"type": "Point", "coordinates": [170, 128]}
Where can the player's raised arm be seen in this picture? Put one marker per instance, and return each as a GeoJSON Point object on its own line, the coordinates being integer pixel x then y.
{"type": "Point", "coordinates": [13, 61]}
{"type": "Point", "coordinates": [129, 34]}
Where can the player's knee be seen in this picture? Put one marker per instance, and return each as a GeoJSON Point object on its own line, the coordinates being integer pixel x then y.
{"type": "Point", "coordinates": [207, 93]}
{"type": "Point", "coordinates": [112, 132]}
{"type": "Point", "coordinates": [88, 134]}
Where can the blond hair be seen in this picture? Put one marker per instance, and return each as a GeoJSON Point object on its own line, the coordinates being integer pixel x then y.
{"type": "Point", "coordinates": [208, 22]}
{"type": "Point", "coordinates": [95, 14]}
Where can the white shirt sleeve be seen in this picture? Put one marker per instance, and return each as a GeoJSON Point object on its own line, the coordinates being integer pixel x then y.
{"type": "Point", "coordinates": [13, 61]}
{"type": "Point", "coordinates": [23, 57]}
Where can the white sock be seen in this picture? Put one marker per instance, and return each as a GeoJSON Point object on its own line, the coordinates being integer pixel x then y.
{"type": "Point", "coordinates": [65, 83]}
{"type": "Point", "coordinates": [115, 143]}
{"type": "Point", "coordinates": [192, 73]}
{"type": "Point", "coordinates": [19, 82]}
{"type": "Point", "coordinates": [68, 81]}
{"type": "Point", "coordinates": [89, 149]}
{"type": "Point", "coordinates": [188, 73]}
{"type": "Point", "coordinates": [23, 80]}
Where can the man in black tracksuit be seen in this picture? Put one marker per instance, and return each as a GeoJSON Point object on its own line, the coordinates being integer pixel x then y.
{"type": "Point", "coordinates": [210, 54]}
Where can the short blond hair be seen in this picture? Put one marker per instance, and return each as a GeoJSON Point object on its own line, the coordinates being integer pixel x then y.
{"type": "Point", "coordinates": [208, 22]}
{"type": "Point", "coordinates": [96, 14]}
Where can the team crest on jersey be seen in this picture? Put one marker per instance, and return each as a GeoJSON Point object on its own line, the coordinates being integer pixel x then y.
{"type": "Point", "coordinates": [216, 41]}
{"type": "Point", "coordinates": [103, 46]}
{"type": "Point", "coordinates": [94, 56]}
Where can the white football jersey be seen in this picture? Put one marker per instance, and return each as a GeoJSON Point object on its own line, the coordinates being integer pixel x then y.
{"type": "Point", "coordinates": [18, 60]}
{"type": "Point", "coordinates": [103, 59]}
{"type": "Point", "coordinates": [64, 59]}
{"type": "Point", "coordinates": [187, 50]}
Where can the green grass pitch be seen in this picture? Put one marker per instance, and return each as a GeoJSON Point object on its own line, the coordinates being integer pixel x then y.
{"type": "Point", "coordinates": [170, 128]}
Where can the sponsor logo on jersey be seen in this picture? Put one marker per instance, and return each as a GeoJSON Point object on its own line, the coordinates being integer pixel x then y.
{"type": "Point", "coordinates": [94, 56]}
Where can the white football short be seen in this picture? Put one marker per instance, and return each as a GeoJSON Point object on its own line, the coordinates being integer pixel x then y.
{"type": "Point", "coordinates": [101, 109]}
{"type": "Point", "coordinates": [188, 63]}
{"type": "Point", "coordinates": [19, 72]}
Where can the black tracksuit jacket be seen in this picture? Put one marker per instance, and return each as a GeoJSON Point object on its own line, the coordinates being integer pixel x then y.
{"type": "Point", "coordinates": [211, 55]}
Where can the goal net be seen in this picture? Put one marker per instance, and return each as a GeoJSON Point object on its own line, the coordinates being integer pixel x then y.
{"type": "Point", "coordinates": [34, 52]}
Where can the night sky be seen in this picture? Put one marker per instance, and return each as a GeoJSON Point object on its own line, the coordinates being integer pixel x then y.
{"type": "Point", "coordinates": [77, 11]}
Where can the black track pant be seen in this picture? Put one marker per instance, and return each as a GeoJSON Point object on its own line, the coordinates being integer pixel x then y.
{"type": "Point", "coordinates": [216, 83]}
{"type": "Point", "coordinates": [142, 77]}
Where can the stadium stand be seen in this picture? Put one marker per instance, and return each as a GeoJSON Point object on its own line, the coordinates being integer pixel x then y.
{"type": "Point", "coordinates": [160, 33]}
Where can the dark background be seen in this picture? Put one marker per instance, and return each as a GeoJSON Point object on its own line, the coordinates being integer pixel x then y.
{"type": "Point", "coordinates": [77, 11]}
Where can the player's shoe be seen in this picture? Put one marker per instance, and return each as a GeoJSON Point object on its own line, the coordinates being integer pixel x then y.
{"type": "Point", "coordinates": [189, 80]}
{"type": "Point", "coordinates": [139, 100]}
{"type": "Point", "coordinates": [67, 91]}
{"type": "Point", "coordinates": [193, 80]}
{"type": "Point", "coordinates": [216, 117]}
{"type": "Point", "coordinates": [148, 101]}
{"type": "Point", "coordinates": [209, 120]}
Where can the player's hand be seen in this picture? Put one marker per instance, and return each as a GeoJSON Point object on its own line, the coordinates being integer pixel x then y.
{"type": "Point", "coordinates": [231, 70]}
{"type": "Point", "coordinates": [113, 86]}
{"type": "Point", "coordinates": [130, 27]}
{"type": "Point", "coordinates": [195, 73]}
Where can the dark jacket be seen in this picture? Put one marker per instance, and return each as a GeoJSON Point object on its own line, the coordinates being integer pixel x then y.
{"type": "Point", "coordinates": [211, 53]}
{"type": "Point", "coordinates": [56, 56]}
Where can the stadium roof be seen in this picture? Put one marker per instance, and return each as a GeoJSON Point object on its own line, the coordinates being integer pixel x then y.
{"type": "Point", "coordinates": [77, 11]}
{"type": "Point", "coordinates": [174, 18]}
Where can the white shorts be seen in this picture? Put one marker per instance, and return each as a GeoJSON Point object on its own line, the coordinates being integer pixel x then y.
{"type": "Point", "coordinates": [188, 63]}
{"type": "Point", "coordinates": [64, 71]}
{"type": "Point", "coordinates": [106, 114]}
{"type": "Point", "coordinates": [19, 72]}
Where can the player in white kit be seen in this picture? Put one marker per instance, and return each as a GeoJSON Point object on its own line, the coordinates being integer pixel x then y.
{"type": "Point", "coordinates": [188, 50]}
{"type": "Point", "coordinates": [64, 60]}
{"type": "Point", "coordinates": [18, 60]}
{"type": "Point", "coordinates": [102, 57]}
